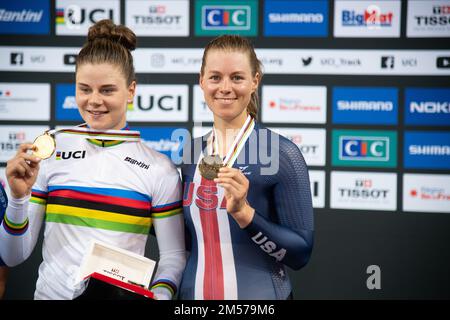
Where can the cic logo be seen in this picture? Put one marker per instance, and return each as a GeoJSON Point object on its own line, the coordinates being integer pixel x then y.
{"type": "Point", "coordinates": [364, 148]}
{"type": "Point", "coordinates": [220, 17]}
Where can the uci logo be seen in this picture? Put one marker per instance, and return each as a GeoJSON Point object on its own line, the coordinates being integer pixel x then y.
{"type": "Point", "coordinates": [226, 17]}
{"type": "Point", "coordinates": [65, 155]}
{"type": "Point", "coordinates": [74, 16]}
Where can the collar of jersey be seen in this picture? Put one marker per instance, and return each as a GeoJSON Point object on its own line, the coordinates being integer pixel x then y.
{"type": "Point", "coordinates": [108, 143]}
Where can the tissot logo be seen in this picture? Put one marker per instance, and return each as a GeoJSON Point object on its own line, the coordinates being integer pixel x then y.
{"type": "Point", "coordinates": [363, 190]}
{"type": "Point", "coordinates": [70, 59]}
{"type": "Point", "coordinates": [428, 18]}
{"type": "Point", "coordinates": [16, 58]}
{"type": "Point", "coordinates": [387, 62]}
{"type": "Point", "coordinates": [66, 155]}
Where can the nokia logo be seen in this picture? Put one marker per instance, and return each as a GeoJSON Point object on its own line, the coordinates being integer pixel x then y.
{"type": "Point", "coordinates": [137, 163]}
{"type": "Point", "coordinates": [65, 155]}
{"type": "Point", "coordinates": [429, 107]}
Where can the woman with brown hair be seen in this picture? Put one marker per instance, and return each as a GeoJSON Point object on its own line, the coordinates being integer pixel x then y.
{"type": "Point", "coordinates": [101, 183]}
{"type": "Point", "coordinates": [247, 219]}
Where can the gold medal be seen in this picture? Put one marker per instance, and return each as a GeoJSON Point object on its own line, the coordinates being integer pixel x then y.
{"type": "Point", "coordinates": [44, 146]}
{"type": "Point", "coordinates": [209, 166]}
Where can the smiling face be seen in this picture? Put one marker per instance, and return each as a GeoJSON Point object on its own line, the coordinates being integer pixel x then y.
{"type": "Point", "coordinates": [227, 83]}
{"type": "Point", "coordinates": [102, 95]}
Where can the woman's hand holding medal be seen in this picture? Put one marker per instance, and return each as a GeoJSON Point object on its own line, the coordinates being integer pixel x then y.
{"type": "Point", "coordinates": [22, 171]}
{"type": "Point", "coordinates": [236, 187]}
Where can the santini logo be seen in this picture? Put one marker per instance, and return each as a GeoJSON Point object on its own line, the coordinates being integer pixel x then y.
{"type": "Point", "coordinates": [137, 163]}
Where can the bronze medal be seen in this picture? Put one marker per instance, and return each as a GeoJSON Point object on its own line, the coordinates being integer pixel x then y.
{"type": "Point", "coordinates": [44, 146]}
{"type": "Point", "coordinates": [209, 166]}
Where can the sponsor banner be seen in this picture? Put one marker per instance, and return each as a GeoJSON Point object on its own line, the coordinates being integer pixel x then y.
{"type": "Point", "coordinates": [426, 150]}
{"type": "Point", "coordinates": [364, 19]}
{"type": "Point", "coordinates": [155, 103]}
{"type": "Point", "coordinates": [426, 192]}
{"type": "Point", "coordinates": [162, 139]}
{"type": "Point", "coordinates": [213, 18]}
{"type": "Point", "coordinates": [25, 101]}
{"type": "Point", "coordinates": [363, 190]}
{"type": "Point", "coordinates": [428, 18]}
{"type": "Point", "coordinates": [275, 61]}
{"type": "Point", "coordinates": [365, 105]}
{"type": "Point", "coordinates": [317, 182]}
{"type": "Point", "coordinates": [75, 17]}
{"type": "Point", "coordinates": [158, 18]}
{"type": "Point", "coordinates": [311, 142]}
{"type": "Point", "coordinates": [25, 17]}
{"type": "Point", "coordinates": [202, 113]}
{"type": "Point", "coordinates": [41, 59]}
{"type": "Point", "coordinates": [12, 136]}
{"type": "Point", "coordinates": [200, 131]}
{"type": "Point", "coordinates": [364, 148]}
{"type": "Point", "coordinates": [294, 104]}
{"type": "Point", "coordinates": [427, 106]}
{"type": "Point", "coordinates": [4, 182]}
{"type": "Point", "coordinates": [296, 18]}
{"type": "Point", "coordinates": [66, 106]}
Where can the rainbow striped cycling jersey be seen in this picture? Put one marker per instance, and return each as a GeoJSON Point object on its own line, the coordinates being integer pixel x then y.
{"type": "Point", "coordinates": [112, 191]}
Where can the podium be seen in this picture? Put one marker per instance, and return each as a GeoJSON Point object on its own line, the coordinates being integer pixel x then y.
{"type": "Point", "coordinates": [102, 287]}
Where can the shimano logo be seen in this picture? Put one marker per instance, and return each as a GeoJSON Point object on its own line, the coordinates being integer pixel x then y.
{"type": "Point", "coordinates": [365, 105]}
{"type": "Point", "coordinates": [429, 107]}
{"type": "Point", "coordinates": [295, 18]}
{"type": "Point", "coordinates": [137, 163]}
{"type": "Point", "coordinates": [429, 150]}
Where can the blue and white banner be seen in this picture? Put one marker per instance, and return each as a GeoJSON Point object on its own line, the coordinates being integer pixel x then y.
{"type": "Point", "coordinates": [365, 105]}
{"type": "Point", "coordinates": [427, 106]}
{"type": "Point", "coordinates": [426, 150]}
{"type": "Point", "coordinates": [25, 17]}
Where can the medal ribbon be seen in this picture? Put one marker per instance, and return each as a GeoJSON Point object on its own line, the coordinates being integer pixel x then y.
{"type": "Point", "coordinates": [115, 135]}
{"type": "Point", "coordinates": [238, 142]}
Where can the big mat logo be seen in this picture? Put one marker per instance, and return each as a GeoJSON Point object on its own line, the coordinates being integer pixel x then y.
{"type": "Point", "coordinates": [367, 18]}
{"type": "Point", "coordinates": [426, 192]}
{"type": "Point", "coordinates": [364, 148]}
{"type": "Point", "coordinates": [363, 190]}
{"type": "Point", "coordinates": [25, 17]}
{"type": "Point", "coordinates": [427, 106]}
{"type": "Point", "coordinates": [226, 17]}
{"type": "Point", "coordinates": [427, 150]}
{"type": "Point", "coordinates": [296, 18]}
{"type": "Point", "coordinates": [365, 105]}
{"type": "Point", "coordinates": [74, 17]}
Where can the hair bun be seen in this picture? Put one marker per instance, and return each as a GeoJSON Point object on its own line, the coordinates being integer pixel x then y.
{"type": "Point", "coordinates": [106, 29]}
